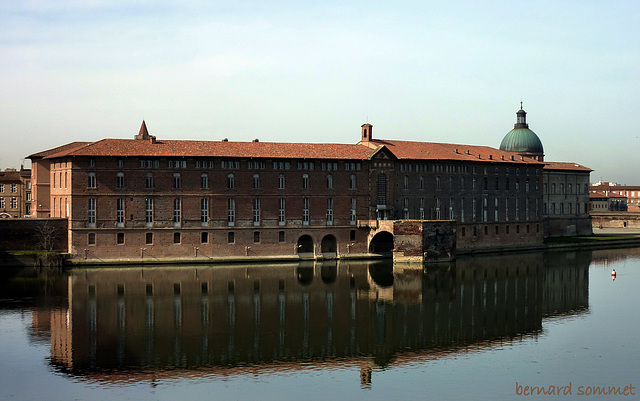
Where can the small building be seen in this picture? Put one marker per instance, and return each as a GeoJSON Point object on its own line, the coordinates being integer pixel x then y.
{"type": "Point", "coordinates": [15, 193]}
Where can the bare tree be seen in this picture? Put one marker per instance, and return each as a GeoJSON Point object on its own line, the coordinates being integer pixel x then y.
{"type": "Point", "coordinates": [46, 234]}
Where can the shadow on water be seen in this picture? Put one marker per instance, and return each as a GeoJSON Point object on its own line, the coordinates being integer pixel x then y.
{"type": "Point", "coordinates": [118, 324]}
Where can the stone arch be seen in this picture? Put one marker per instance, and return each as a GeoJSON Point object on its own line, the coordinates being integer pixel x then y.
{"type": "Point", "coordinates": [382, 242]}
{"type": "Point", "coordinates": [5, 216]}
{"type": "Point", "coordinates": [329, 244]}
{"type": "Point", "coordinates": [305, 244]}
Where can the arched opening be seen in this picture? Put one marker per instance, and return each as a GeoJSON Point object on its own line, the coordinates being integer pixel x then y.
{"type": "Point", "coordinates": [329, 244]}
{"type": "Point", "coordinates": [305, 244]}
{"type": "Point", "coordinates": [5, 216]}
{"type": "Point", "coordinates": [382, 242]}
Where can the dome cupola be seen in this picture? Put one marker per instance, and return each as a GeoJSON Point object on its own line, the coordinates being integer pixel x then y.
{"type": "Point", "coordinates": [522, 140]}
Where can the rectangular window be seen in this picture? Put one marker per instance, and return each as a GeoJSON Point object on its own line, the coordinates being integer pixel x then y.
{"type": "Point", "coordinates": [330, 211]}
{"type": "Point", "coordinates": [281, 181]}
{"type": "Point", "coordinates": [120, 238]}
{"type": "Point", "coordinates": [352, 182]}
{"type": "Point", "coordinates": [256, 181]}
{"type": "Point", "coordinates": [176, 211]}
{"type": "Point", "coordinates": [305, 211]}
{"type": "Point", "coordinates": [92, 212]}
{"type": "Point", "coordinates": [329, 181]}
{"type": "Point", "coordinates": [231, 181]}
{"type": "Point", "coordinates": [204, 181]}
{"type": "Point", "coordinates": [231, 212]}
{"type": "Point", "coordinates": [148, 213]}
{"type": "Point", "coordinates": [91, 239]}
{"type": "Point", "coordinates": [305, 181]}
{"type": "Point", "coordinates": [256, 237]}
{"type": "Point", "coordinates": [256, 212]}
{"type": "Point", "coordinates": [91, 180]}
{"type": "Point", "coordinates": [281, 211]}
{"type": "Point", "coordinates": [120, 180]}
{"type": "Point", "coordinates": [176, 238]}
{"type": "Point", "coordinates": [204, 237]}
{"type": "Point", "coordinates": [473, 209]}
{"type": "Point", "coordinates": [148, 239]}
{"type": "Point", "coordinates": [281, 236]}
{"type": "Point", "coordinates": [120, 212]}
{"type": "Point", "coordinates": [353, 218]}
{"type": "Point", "coordinates": [450, 208]}
{"type": "Point", "coordinates": [149, 182]}
{"type": "Point", "coordinates": [176, 181]}
{"type": "Point", "coordinates": [14, 204]}
{"type": "Point", "coordinates": [231, 237]}
{"type": "Point", "coordinates": [204, 210]}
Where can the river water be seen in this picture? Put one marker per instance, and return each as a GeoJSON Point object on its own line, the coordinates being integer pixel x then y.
{"type": "Point", "coordinates": [482, 328]}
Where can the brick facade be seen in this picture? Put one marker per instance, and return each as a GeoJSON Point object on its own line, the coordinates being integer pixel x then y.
{"type": "Point", "coordinates": [151, 198]}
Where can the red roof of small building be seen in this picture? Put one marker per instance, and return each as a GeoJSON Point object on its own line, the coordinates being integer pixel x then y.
{"type": "Point", "coordinates": [9, 176]}
{"type": "Point", "coordinates": [565, 166]}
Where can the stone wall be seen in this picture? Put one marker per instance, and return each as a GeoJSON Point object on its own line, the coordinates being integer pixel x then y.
{"type": "Point", "coordinates": [424, 240]}
{"type": "Point", "coordinates": [616, 220]}
{"type": "Point", "coordinates": [33, 235]}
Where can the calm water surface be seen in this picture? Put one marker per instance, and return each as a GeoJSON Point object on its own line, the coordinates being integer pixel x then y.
{"type": "Point", "coordinates": [475, 329]}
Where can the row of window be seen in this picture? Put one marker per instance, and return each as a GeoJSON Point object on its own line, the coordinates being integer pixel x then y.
{"type": "Point", "coordinates": [235, 164]}
{"type": "Point", "coordinates": [13, 188]}
{"type": "Point", "coordinates": [13, 203]}
{"type": "Point", "coordinates": [231, 181]}
{"type": "Point", "coordinates": [479, 209]}
{"type": "Point", "coordinates": [474, 183]}
{"type": "Point", "coordinates": [177, 238]}
{"type": "Point", "coordinates": [205, 238]}
{"type": "Point", "coordinates": [545, 188]}
{"type": "Point", "coordinates": [560, 208]}
{"type": "Point", "coordinates": [460, 169]}
{"type": "Point", "coordinates": [463, 230]}
{"type": "Point", "coordinates": [231, 211]}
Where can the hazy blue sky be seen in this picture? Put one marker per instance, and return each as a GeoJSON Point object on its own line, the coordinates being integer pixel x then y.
{"type": "Point", "coordinates": [303, 71]}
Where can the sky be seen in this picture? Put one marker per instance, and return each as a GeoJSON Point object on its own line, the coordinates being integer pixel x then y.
{"type": "Point", "coordinates": [315, 71]}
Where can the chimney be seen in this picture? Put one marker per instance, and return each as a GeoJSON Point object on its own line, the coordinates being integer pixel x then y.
{"type": "Point", "coordinates": [367, 132]}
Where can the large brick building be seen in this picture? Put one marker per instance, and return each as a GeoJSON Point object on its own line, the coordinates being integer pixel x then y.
{"type": "Point", "coordinates": [155, 198]}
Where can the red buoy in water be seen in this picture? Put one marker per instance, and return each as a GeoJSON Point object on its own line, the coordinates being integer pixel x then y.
{"type": "Point", "coordinates": [613, 273]}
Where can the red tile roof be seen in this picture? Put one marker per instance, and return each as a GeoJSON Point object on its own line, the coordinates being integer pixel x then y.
{"type": "Point", "coordinates": [59, 149]}
{"type": "Point", "coordinates": [9, 176]}
{"type": "Point", "coordinates": [182, 148]}
{"type": "Point", "coordinates": [447, 151]}
{"type": "Point", "coordinates": [565, 166]}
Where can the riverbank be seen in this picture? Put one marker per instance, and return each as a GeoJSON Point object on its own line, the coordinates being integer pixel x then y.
{"type": "Point", "coordinates": [605, 238]}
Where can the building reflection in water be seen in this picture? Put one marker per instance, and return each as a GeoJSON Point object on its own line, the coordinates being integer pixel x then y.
{"type": "Point", "coordinates": [138, 323]}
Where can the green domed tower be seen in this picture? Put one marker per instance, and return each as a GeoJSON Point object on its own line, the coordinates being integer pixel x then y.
{"type": "Point", "coordinates": [522, 140]}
